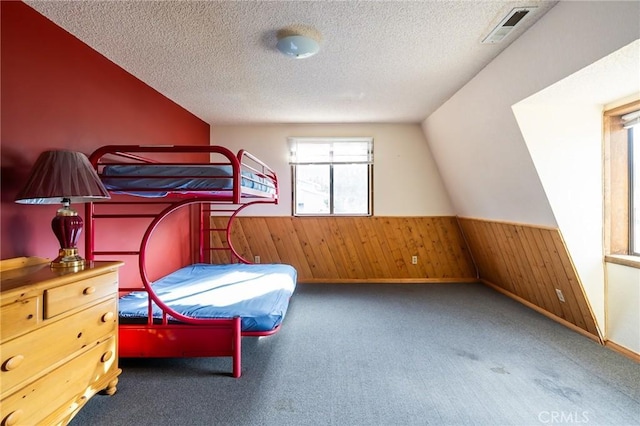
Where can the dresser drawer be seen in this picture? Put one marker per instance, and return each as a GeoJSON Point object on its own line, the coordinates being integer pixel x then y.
{"type": "Point", "coordinates": [64, 298]}
{"type": "Point", "coordinates": [28, 355]}
{"type": "Point", "coordinates": [18, 317]}
{"type": "Point", "coordinates": [61, 388]}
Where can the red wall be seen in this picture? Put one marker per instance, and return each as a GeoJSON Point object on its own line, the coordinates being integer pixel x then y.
{"type": "Point", "coordinates": [58, 93]}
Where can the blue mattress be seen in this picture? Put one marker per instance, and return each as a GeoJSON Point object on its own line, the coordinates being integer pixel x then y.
{"type": "Point", "coordinates": [258, 293]}
{"type": "Point", "coordinates": [157, 180]}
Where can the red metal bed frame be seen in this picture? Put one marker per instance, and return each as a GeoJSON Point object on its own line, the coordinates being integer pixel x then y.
{"type": "Point", "coordinates": [191, 337]}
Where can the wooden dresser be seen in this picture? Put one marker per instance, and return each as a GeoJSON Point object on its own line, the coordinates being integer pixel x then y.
{"type": "Point", "coordinates": [58, 339]}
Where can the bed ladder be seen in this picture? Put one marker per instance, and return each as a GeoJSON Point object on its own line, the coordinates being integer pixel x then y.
{"type": "Point", "coordinates": [215, 240]}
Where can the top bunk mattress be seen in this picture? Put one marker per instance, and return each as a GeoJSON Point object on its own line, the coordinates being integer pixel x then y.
{"type": "Point", "coordinates": [258, 293]}
{"type": "Point", "coordinates": [157, 180]}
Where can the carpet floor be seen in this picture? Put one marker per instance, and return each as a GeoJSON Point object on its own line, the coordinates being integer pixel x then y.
{"type": "Point", "coordinates": [388, 354]}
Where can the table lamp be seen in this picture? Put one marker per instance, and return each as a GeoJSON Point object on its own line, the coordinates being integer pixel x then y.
{"type": "Point", "coordinates": [63, 177]}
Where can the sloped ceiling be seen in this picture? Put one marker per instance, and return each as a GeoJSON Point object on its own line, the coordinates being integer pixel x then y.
{"type": "Point", "coordinates": [380, 61]}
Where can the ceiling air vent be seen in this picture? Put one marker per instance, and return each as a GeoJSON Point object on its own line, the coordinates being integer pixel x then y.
{"type": "Point", "coordinates": [507, 24]}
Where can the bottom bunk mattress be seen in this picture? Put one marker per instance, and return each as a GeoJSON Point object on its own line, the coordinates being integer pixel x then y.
{"type": "Point", "coordinates": [258, 293]}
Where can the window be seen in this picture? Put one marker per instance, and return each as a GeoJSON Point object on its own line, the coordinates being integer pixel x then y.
{"type": "Point", "coordinates": [622, 180]}
{"type": "Point", "coordinates": [332, 176]}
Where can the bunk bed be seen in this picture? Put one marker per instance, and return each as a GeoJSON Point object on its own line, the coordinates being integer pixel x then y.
{"type": "Point", "coordinates": [201, 309]}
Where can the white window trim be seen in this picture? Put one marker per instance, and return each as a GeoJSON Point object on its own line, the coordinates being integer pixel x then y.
{"type": "Point", "coordinates": [294, 140]}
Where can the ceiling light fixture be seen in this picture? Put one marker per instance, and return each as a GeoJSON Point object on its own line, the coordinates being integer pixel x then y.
{"type": "Point", "coordinates": [298, 42]}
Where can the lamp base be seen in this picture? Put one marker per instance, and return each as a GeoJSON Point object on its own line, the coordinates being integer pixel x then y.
{"type": "Point", "coordinates": [68, 258]}
{"type": "Point", "coordinates": [67, 226]}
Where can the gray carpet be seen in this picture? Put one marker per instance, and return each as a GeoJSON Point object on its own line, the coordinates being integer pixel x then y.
{"type": "Point", "coordinates": [433, 354]}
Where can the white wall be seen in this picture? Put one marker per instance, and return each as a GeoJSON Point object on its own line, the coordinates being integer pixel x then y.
{"type": "Point", "coordinates": [554, 177]}
{"type": "Point", "coordinates": [406, 179]}
{"type": "Point", "coordinates": [562, 127]}
{"type": "Point", "coordinates": [474, 136]}
{"type": "Point", "coordinates": [623, 307]}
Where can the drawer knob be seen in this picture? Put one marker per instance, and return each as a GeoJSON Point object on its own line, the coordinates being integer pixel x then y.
{"type": "Point", "coordinates": [107, 317]}
{"type": "Point", "coordinates": [106, 356]}
{"type": "Point", "coordinates": [89, 290]}
{"type": "Point", "coordinates": [13, 418]}
{"type": "Point", "coordinates": [13, 363]}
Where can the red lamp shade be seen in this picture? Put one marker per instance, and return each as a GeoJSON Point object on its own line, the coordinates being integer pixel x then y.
{"type": "Point", "coordinates": [63, 177]}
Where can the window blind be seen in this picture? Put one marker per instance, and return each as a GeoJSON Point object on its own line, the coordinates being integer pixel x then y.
{"type": "Point", "coordinates": [630, 120]}
{"type": "Point", "coordinates": [331, 151]}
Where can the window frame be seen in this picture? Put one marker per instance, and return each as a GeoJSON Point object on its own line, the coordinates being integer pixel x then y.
{"type": "Point", "coordinates": [633, 171]}
{"type": "Point", "coordinates": [617, 168]}
{"type": "Point", "coordinates": [294, 164]}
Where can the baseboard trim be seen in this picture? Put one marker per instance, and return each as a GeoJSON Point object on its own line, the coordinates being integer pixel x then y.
{"type": "Point", "coordinates": [543, 312]}
{"type": "Point", "coordinates": [388, 281]}
{"type": "Point", "coordinates": [622, 350]}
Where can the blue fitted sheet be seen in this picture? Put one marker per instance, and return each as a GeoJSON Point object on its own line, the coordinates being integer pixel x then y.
{"type": "Point", "coordinates": [157, 180]}
{"type": "Point", "coordinates": [258, 293]}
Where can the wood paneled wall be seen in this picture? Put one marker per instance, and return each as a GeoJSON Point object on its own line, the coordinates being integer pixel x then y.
{"type": "Point", "coordinates": [346, 249]}
{"type": "Point", "coordinates": [525, 262]}
{"type": "Point", "coordinates": [530, 263]}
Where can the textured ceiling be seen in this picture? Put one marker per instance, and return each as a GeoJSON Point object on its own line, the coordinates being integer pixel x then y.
{"type": "Point", "coordinates": [380, 61]}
